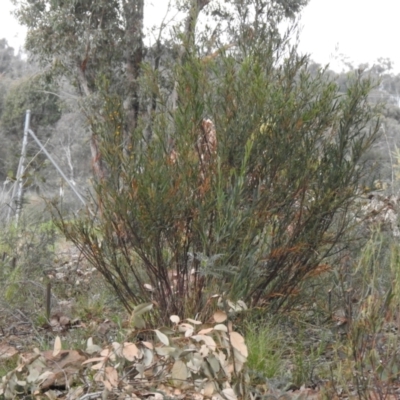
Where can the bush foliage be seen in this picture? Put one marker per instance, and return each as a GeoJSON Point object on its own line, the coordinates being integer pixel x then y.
{"type": "Point", "coordinates": [245, 187]}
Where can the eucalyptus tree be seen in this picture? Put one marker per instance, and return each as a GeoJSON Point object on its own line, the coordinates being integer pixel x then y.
{"type": "Point", "coordinates": [98, 44]}
{"type": "Point", "coordinates": [223, 165]}
{"type": "Point", "coordinates": [6, 56]}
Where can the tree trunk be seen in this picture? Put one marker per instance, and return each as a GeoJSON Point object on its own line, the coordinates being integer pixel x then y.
{"type": "Point", "coordinates": [134, 13]}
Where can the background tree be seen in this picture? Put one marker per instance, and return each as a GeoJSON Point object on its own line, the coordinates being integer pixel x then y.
{"type": "Point", "coordinates": [94, 42]}
{"type": "Point", "coordinates": [6, 56]}
{"type": "Point", "coordinates": [29, 92]}
{"type": "Point", "coordinates": [89, 43]}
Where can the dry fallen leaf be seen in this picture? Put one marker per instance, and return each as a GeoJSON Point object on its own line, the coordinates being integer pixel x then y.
{"type": "Point", "coordinates": [175, 319]}
{"type": "Point", "coordinates": [57, 346]}
{"type": "Point", "coordinates": [92, 348]}
{"type": "Point", "coordinates": [162, 337]}
{"type": "Point", "coordinates": [94, 359]}
{"type": "Point", "coordinates": [51, 395]}
{"type": "Point", "coordinates": [179, 373]}
{"type": "Point", "coordinates": [64, 321]}
{"type": "Point", "coordinates": [165, 351]}
{"type": "Point", "coordinates": [205, 331]}
{"type": "Point", "coordinates": [189, 332]}
{"type": "Point", "coordinates": [54, 322]}
{"type": "Point", "coordinates": [105, 327]}
{"type": "Point", "coordinates": [219, 316]}
{"type": "Point", "coordinates": [64, 367]}
{"type": "Point", "coordinates": [204, 350]}
{"type": "Point", "coordinates": [183, 327]}
{"type": "Point", "coordinates": [149, 345]}
{"type": "Point", "coordinates": [193, 321]}
{"type": "Point", "coordinates": [209, 389]}
{"type": "Point", "coordinates": [7, 351]}
{"type": "Point", "coordinates": [237, 341]}
{"type": "Point", "coordinates": [111, 375]}
{"type": "Point", "coordinates": [208, 340]}
{"type": "Point", "coordinates": [229, 394]}
{"type": "Point", "coordinates": [221, 327]}
{"type": "Point", "coordinates": [130, 351]}
{"type": "Point", "coordinates": [311, 394]}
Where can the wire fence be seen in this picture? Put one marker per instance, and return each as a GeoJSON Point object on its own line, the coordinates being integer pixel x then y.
{"type": "Point", "coordinates": [11, 195]}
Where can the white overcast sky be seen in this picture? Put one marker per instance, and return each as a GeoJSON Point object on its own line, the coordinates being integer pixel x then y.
{"type": "Point", "coordinates": [362, 30]}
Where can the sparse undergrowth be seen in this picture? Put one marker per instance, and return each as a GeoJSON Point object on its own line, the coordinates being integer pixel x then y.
{"type": "Point", "coordinates": [191, 357]}
{"type": "Point", "coordinates": [344, 345]}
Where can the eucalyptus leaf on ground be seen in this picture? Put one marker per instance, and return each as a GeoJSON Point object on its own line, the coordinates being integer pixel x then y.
{"type": "Point", "coordinates": [179, 373]}
{"type": "Point", "coordinates": [162, 337]}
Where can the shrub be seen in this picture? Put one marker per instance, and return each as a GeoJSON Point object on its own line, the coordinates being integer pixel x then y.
{"type": "Point", "coordinates": [244, 188]}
